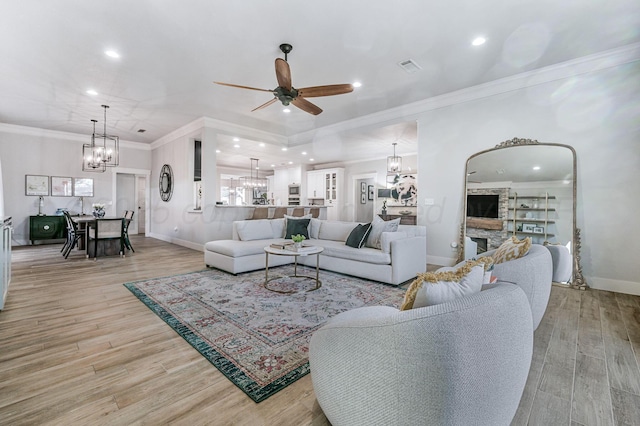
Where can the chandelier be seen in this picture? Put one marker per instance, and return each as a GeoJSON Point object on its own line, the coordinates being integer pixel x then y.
{"type": "Point", "coordinates": [254, 181]}
{"type": "Point", "coordinates": [394, 163]}
{"type": "Point", "coordinates": [103, 151]}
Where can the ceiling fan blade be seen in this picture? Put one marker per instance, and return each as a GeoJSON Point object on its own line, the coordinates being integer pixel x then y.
{"type": "Point", "coordinates": [266, 104]}
{"type": "Point", "coordinates": [283, 73]}
{"type": "Point", "coordinates": [243, 87]}
{"type": "Point", "coordinates": [330, 90]}
{"type": "Point", "coordinates": [305, 105]}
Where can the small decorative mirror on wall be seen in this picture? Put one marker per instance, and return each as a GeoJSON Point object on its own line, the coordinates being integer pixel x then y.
{"type": "Point", "coordinates": [523, 188]}
{"type": "Point", "coordinates": [166, 183]}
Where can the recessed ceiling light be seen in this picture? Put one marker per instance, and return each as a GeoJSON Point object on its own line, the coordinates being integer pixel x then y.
{"type": "Point", "coordinates": [261, 143]}
{"type": "Point", "coordinates": [236, 140]}
{"type": "Point", "coordinates": [290, 162]}
{"type": "Point", "coordinates": [304, 152]}
{"type": "Point", "coordinates": [478, 41]}
{"type": "Point", "coordinates": [357, 84]}
{"type": "Point", "coordinates": [284, 148]}
{"type": "Point", "coordinates": [218, 151]}
{"type": "Point", "coordinates": [536, 167]}
{"type": "Point", "coordinates": [92, 92]}
{"type": "Point", "coordinates": [112, 54]}
{"type": "Point", "coordinates": [287, 110]}
{"type": "Point", "coordinates": [311, 159]}
{"type": "Point", "coordinates": [236, 146]}
{"type": "Point", "coordinates": [273, 165]}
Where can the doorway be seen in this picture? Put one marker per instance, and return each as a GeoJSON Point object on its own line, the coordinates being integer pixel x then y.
{"type": "Point", "coordinates": [131, 192]}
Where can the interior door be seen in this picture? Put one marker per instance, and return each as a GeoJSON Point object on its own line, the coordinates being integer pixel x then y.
{"type": "Point", "coordinates": [142, 205]}
{"type": "Point", "coordinates": [126, 200]}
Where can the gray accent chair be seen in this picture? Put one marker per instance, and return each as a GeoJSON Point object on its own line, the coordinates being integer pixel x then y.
{"type": "Point", "coordinates": [458, 363]}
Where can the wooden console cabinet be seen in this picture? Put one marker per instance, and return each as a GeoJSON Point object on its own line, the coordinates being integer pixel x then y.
{"type": "Point", "coordinates": [404, 219]}
{"type": "Point", "coordinates": [47, 228]}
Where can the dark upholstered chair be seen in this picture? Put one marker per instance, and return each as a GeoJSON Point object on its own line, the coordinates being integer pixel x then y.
{"type": "Point", "coordinates": [128, 216]}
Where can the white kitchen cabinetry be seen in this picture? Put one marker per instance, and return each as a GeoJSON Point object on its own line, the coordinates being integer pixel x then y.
{"type": "Point", "coordinates": [282, 178]}
{"type": "Point", "coordinates": [315, 185]}
{"type": "Point", "coordinates": [334, 192]}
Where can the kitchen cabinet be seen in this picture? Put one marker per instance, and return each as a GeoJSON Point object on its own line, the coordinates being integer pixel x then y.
{"type": "Point", "coordinates": [315, 184]}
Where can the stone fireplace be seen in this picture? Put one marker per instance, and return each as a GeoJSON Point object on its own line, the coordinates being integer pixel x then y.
{"type": "Point", "coordinates": [493, 231]}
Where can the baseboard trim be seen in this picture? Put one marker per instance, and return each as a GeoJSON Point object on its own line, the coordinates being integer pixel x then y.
{"type": "Point", "coordinates": [177, 241]}
{"type": "Point", "coordinates": [618, 286]}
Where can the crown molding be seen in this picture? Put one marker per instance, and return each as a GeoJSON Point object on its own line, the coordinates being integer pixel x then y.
{"type": "Point", "coordinates": [63, 136]}
{"type": "Point", "coordinates": [221, 126]}
{"type": "Point", "coordinates": [563, 70]}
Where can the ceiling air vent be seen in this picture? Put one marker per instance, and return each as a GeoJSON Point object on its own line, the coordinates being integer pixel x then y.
{"type": "Point", "coordinates": [409, 66]}
{"type": "Point", "coordinates": [141, 130]}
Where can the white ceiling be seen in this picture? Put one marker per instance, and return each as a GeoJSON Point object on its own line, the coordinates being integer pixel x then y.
{"type": "Point", "coordinates": [171, 52]}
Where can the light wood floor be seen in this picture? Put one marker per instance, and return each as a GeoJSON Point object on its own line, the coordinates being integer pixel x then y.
{"type": "Point", "coordinates": [76, 347]}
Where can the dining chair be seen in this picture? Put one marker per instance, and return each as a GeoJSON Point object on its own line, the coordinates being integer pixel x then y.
{"type": "Point", "coordinates": [74, 234]}
{"type": "Point", "coordinates": [106, 229]}
{"type": "Point", "coordinates": [315, 212]}
{"type": "Point", "coordinates": [279, 212]}
{"type": "Point", "coordinates": [298, 212]}
{"type": "Point", "coordinates": [128, 216]}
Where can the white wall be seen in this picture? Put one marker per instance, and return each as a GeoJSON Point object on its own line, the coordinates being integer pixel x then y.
{"type": "Point", "coordinates": [34, 151]}
{"type": "Point", "coordinates": [594, 112]}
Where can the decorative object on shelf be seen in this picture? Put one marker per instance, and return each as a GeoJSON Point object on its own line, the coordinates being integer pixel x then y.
{"type": "Point", "coordinates": [384, 207]}
{"type": "Point", "coordinates": [528, 227]}
{"type": "Point", "coordinates": [36, 185]}
{"type": "Point", "coordinates": [98, 210]}
{"type": "Point", "coordinates": [165, 185]}
{"type": "Point", "coordinates": [103, 151]}
{"type": "Point", "coordinates": [254, 181]}
{"type": "Point", "coordinates": [394, 163]}
{"type": "Point", "coordinates": [61, 186]}
{"type": "Point", "coordinates": [370, 192]}
{"type": "Point", "coordinates": [538, 230]}
{"type": "Point", "coordinates": [404, 212]}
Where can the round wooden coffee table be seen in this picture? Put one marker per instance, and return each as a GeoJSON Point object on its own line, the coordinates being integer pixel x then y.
{"type": "Point", "coordinates": [282, 252]}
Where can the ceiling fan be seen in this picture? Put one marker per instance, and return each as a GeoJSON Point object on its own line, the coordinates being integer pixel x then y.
{"type": "Point", "coordinates": [287, 94]}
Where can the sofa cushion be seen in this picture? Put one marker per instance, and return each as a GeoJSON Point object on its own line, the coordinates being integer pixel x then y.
{"type": "Point", "coordinates": [378, 226]}
{"type": "Point", "coordinates": [234, 248]}
{"type": "Point", "coordinates": [433, 288]}
{"type": "Point", "coordinates": [511, 249]}
{"type": "Point", "coordinates": [249, 230]}
{"type": "Point", "coordinates": [314, 227]}
{"type": "Point", "coordinates": [335, 230]}
{"type": "Point", "coordinates": [358, 235]}
{"type": "Point", "coordinates": [297, 226]}
{"type": "Point", "coordinates": [339, 249]}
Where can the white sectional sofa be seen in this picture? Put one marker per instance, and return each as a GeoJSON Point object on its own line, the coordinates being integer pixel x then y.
{"type": "Point", "coordinates": [402, 254]}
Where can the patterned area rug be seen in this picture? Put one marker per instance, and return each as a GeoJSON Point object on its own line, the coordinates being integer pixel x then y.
{"type": "Point", "coordinates": [257, 338]}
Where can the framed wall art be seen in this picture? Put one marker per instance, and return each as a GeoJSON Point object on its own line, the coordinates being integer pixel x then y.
{"type": "Point", "coordinates": [404, 189]}
{"type": "Point", "coordinates": [83, 187]}
{"type": "Point", "coordinates": [363, 187]}
{"type": "Point", "coordinates": [363, 198]}
{"type": "Point", "coordinates": [370, 193]}
{"type": "Point", "coordinates": [36, 185]}
{"type": "Point", "coordinates": [61, 186]}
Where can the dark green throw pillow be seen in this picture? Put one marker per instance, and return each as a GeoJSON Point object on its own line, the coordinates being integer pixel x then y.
{"type": "Point", "coordinates": [297, 226]}
{"type": "Point", "coordinates": [358, 236]}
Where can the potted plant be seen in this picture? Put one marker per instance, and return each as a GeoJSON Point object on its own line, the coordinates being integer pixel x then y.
{"type": "Point", "coordinates": [98, 210]}
{"type": "Point", "coordinates": [297, 240]}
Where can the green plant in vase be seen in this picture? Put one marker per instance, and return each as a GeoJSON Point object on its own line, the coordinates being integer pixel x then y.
{"type": "Point", "coordinates": [298, 239]}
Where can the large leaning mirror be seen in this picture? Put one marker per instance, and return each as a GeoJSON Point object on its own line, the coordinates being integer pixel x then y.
{"type": "Point", "coordinates": [525, 188]}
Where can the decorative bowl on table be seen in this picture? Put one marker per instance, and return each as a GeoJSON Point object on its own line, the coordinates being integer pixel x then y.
{"type": "Point", "coordinates": [405, 212]}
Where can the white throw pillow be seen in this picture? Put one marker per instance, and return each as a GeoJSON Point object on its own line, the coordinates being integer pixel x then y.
{"type": "Point", "coordinates": [314, 228]}
{"type": "Point", "coordinates": [335, 230]}
{"type": "Point", "coordinates": [378, 226]}
{"type": "Point", "coordinates": [433, 288]}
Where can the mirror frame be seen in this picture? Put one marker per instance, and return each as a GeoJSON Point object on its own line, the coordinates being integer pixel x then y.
{"type": "Point", "coordinates": [577, 279]}
{"type": "Point", "coordinates": [166, 173]}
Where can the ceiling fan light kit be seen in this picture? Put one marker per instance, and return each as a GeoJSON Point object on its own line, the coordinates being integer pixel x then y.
{"type": "Point", "coordinates": [289, 95]}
